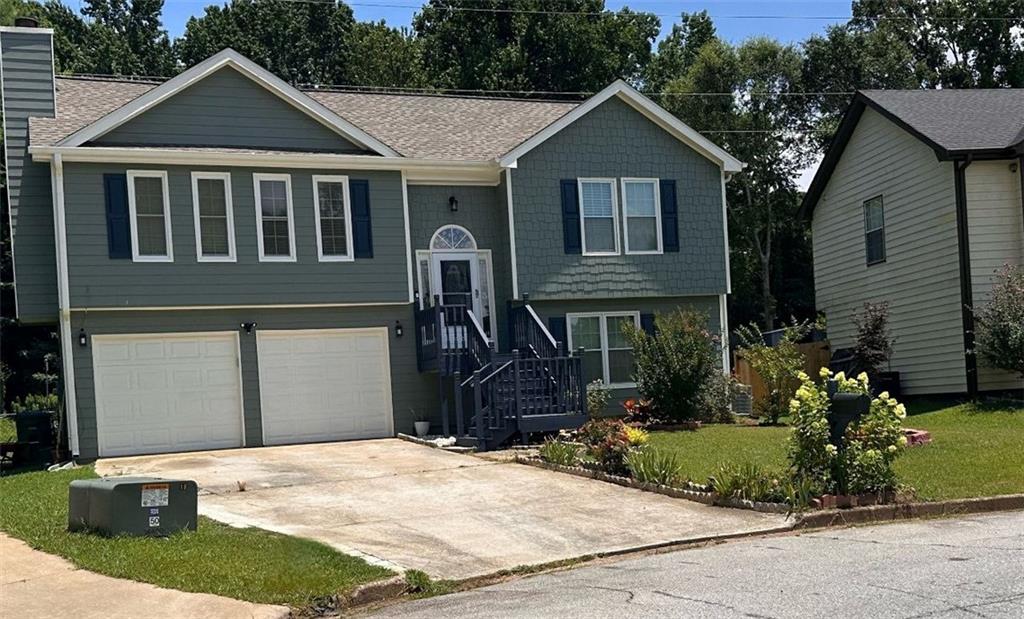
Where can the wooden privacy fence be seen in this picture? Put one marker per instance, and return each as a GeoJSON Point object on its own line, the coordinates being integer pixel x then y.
{"type": "Point", "coordinates": [816, 356]}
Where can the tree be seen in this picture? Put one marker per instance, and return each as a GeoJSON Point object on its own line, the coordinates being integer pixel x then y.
{"type": "Point", "coordinates": [126, 37]}
{"type": "Point", "coordinates": [1001, 322]}
{"type": "Point", "coordinates": [532, 45]}
{"type": "Point", "coordinates": [872, 346]}
{"type": "Point", "coordinates": [756, 121]}
{"type": "Point", "coordinates": [385, 56]}
{"type": "Point", "coordinates": [678, 51]}
{"type": "Point", "coordinates": [302, 42]}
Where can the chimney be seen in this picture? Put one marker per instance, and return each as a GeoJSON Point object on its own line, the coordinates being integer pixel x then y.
{"type": "Point", "coordinates": [26, 67]}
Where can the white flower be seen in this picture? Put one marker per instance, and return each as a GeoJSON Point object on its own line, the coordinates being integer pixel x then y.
{"type": "Point", "coordinates": [901, 411]}
{"type": "Point", "coordinates": [863, 377]}
{"type": "Point", "coordinates": [803, 377]}
{"type": "Point", "coordinates": [840, 376]}
{"type": "Point", "coordinates": [892, 449]}
{"type": "Point", "coordinates": [831, 449]}
{"type": "Point", "coordinates": [824, 372]}
{"type": "Point", "coordinates": [883, 396]}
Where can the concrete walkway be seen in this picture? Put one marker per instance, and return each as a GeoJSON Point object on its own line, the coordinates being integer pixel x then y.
{"type": "Point", "coordinates": [450, 515]}
{"type": "Point", "coordinates": [36, 584]}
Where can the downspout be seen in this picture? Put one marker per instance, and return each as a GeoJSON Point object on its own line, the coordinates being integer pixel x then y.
{"type": "Point", "coordinates": [64, 304]}
{"type": "Point", "coordinates": [966, 290]}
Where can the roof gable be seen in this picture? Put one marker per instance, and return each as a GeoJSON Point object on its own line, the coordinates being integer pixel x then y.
{"type": "Point", "coordinates": [657, 114]}
{"type": "Point", "coordinates": [247, 68]}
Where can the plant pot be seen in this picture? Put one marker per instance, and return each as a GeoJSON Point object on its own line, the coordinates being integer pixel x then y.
{"type": "Point", "coordinates": [422, 428]}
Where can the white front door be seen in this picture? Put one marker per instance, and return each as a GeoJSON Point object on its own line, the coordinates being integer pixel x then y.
{"type": "Point", "coordinates": [457, 277]}
{"type": "Point", "coordinates": [324, 385]}
{"type": "Point", "coordinates": [162, 393]}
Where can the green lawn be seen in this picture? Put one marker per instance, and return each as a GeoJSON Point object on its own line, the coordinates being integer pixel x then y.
{"type": "Point", "coordinates": [8, 432]}
{"type": "Point", "coordinates": [248, 564]}
{"type": "Point", "coordinates": [976, 450]}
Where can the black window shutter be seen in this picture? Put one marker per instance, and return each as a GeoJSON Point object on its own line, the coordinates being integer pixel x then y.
{"type": "Point", "coordinates": [571, 217]}
{"type": "Point", "coordinates": [119, 231]}
{"type": "Point", "coordinates": [361, 228]}
{"type": "Point", "coordinates": [669, 216]}
{"type": "Point", "coordinates": [556, 325]}
{"type": "Point", "coordinates": [647, 324]}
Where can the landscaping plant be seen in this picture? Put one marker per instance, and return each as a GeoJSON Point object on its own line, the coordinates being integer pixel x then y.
{"type": "Point", "coordinates": [598, 395]}
{"type": "Point", "coordinates": [872, 346]}
{"type": "Point", "coordinates": [1000, 323]}
{"type": "Point", "coordinates": [655, 466]}
{"type": "Point", "coordinates": [776, 365]}
{"type": "Point", "coordinates": [750, 482]}
{"type": "Point", "coordinates": [675, 365]}
{"type": "Point", "coordinates": [559, 452]}
{"type": "Point", "coordinates": [607, 442]}
{"type": "Point", "coordinates": [640, 411]}
{"type": "Point", "coordinates": [864, 462]}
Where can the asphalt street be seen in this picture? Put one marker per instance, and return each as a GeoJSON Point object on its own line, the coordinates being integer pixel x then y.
{"type": "Point", "coordinates": [967, 567]}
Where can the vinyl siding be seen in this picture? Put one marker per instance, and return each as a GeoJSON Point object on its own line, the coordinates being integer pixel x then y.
{"type": "Point", "coordinates": [480, 212]}
{"type": "Point", "coordinates": [995, 223]}
{"type": "Point", "coordinates": [227, 109]}
{"type": "Point", "coordinates": [26, 71]}
{"type": "Point", "coordinates": [920, 277]}
{"type": "Point", "coordinates": [97, 281]}
{"type": "Point", "coordinates": [616, 141]}
{"type": "Point", "coordinates": [410, 389]}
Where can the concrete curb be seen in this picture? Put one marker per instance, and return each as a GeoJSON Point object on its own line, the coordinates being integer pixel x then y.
{"type": "Point", "coordinates": [373, 592]}
{"type": "Point", "coordinates": [907, 511]}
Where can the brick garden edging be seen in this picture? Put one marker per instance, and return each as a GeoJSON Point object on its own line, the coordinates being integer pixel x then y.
{"type": "Point", "coordinates": [707, 498]}
{"type": "Point", "coordinates": [906, 511]}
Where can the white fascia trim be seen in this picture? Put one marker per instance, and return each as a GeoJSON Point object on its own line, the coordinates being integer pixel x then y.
{"type": "Point", "coordinates": [64, 303]}
{"type": "Point", "coordinates": [657, 114]}
{"type": "Point", "coordinates": [512, 233]}
{"type": "Point", "coordinates": [349, 255]}
{"type": "Point", "coordinates": [725, 235]}
{"type": "Point", "coordinates": [657, 217]}
{"type": "Point", "coordinates": [408, 235]}
{"type": "Point", "coordinates": [287, 180]}
{"type": "Point", "coordinates": [170, 308]}
{"type": "Point", "coordinates": [26, 30]}
{"type": "Point", "coordinates": [229, 58]}
{"type": "Point", "coordinates": [723, 317]}
{"type": "Point", "coordinates": [224, 177]}
{"type": "Point", "coordinates": [133, 216]}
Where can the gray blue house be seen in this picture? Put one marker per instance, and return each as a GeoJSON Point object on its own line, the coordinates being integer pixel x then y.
{"type": "Point", "coordinates": [233, 261]}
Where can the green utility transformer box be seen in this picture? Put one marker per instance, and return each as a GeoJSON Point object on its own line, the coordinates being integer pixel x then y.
{"type": "Point", "coordinates": [132, 506]}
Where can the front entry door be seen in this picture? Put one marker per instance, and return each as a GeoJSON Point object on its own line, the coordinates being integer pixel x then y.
{"type": "Point", "coordinates": [458, 283]}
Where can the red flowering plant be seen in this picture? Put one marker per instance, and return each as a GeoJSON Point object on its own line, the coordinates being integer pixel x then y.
{"type": "Point", "coordinates": [607, 442]}
{"type": "Point", "coordinates": [640, 412]}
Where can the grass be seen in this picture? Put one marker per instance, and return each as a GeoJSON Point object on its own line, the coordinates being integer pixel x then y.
{"type": "Point", "coordinates": [8, 431]}
{"type": "Point", "coordinates": [247, 564]}
{"type": "Point", "coordinates": [975, 450]}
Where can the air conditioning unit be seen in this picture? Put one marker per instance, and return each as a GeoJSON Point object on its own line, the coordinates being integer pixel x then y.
{"type": "Point", "coordinates": [139, 506]}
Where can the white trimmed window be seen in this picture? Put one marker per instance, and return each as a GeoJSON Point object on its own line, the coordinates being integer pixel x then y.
{"type": "Point", "coordinates": [607, 353]}
{"type": "Point", "coordinates": [149, 208]}
{"type": "Point", "coordinates": [275, 224]}
{"type": "Point", "coordinates": [642, 222]}
{"type": "Point", "coordinates": [874, 230]}
{"type": "Point", "coordinates": [599, 216]}
{"type": "Point", "coordinates": [333, 218]}
{"type": "Point", "coordinates": [214, 220]}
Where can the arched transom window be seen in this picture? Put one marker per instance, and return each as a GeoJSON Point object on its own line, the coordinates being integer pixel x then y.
{"type": "Point", "coordinates": [452, 237]}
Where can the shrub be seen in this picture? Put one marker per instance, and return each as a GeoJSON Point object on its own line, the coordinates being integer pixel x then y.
{"type": "Point", "coordinates": [864, 462]}
{"type": "Point", "coordinates": [872, 346]}
{"type": "Point", "coordinates": [716, 398]}
{"type": "Point", "coordinates": [607, 442]}
{"type": "Point", "coordinates": [598, 395]}
{"type": "Point", "coordinates": [559, 452]}
{"type": "Point", "coordinates": [655, 466]}
{"type": "Point", "coordinates": [674, 366]}
{"type": "Point", "coordinates": [640, 412]}
{"type": "Point", "coordinates": [1000, 327]}
{"type": "Point", "coordinates": [749, 482]}
{"type": "Point", "coordinates": [36, 402]}
{"type": "Point", "coordinates": [776, 365]}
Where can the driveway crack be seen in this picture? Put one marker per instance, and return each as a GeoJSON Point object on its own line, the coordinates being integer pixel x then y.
{"type": "Point", "coordinates": [712, 603]}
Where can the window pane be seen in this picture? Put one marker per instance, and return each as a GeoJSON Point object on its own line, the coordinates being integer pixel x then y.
{"type": "Point", "coordinates": [275, 237]}
{"type": "Point", "coordinates": [425, 294]}
{"type": "Point", "coordinates": [149, 196]}
{"type": "Point", "coordinates": [643, 234]}
{"type": "Point", "coordinates": [597, 199]}
{"type": "Point", "coordinates": [617, 331]}
{"type": "Point", "coordinates": [875, 246]}
{"type": "Point", "coordinates": [586, 332]}
{"type": "Point", "coordinates": [152, 241]}
{"type": "Point", "coordinates": [274, 202]}
{"type": "Point", "coordinates": [620, 366]}
{"type": "Point", "coordinates": [640, 199]}
{"type": "Point", "coordinates": [213, 220]}
{"type": "Point", "coordinates": [600, 234]}
{"type": "Point", "coordinates": [593, 366]}
{"type": "Point", "coordinates": [874, 217]}
{"type": "Point", "coordinates": [274, 211]}
{"type": "Point", "coordinates": [213, 233]}
{"type": "Point", "coordinates": [332, 218]}
{"type": "Point", "coordinates": [212, 200]}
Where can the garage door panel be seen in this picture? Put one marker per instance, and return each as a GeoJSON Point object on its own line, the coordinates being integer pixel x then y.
{"type": "Point", "coordinates": [324, 385]}
{"type": "Point", "coordinates": [164, 393]}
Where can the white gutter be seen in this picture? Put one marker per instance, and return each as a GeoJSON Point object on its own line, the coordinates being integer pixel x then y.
{"type": "Point", "coordinates": [64, 303]}
{"type": "Point", "coordinates": [512, 233]}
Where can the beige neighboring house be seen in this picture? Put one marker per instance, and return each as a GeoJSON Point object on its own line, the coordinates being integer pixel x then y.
{"type": "Point", "coordinates": [918, 202]}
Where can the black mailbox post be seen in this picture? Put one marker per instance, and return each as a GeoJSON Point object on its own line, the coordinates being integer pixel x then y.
{"type": "Point", "coordinates": [846, 408]}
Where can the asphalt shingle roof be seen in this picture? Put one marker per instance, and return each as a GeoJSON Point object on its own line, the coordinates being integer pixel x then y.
{"type": "Point", "coordinates": [959, 120]}
{"type": "Point", "coordinates": [418, 126]}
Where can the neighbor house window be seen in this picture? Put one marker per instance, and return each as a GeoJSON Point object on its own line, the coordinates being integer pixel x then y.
{"type": "Point", "coordinates": [640, 202]}
{"type": "Point", "coordinates": [333, 218]}
{"type": "Point", "coordinates": [598, 216]}
{"type": "Point", "coordinates": [607, 353]}
{"type": "Point", "coordinates": [214, 221]}
{"type": "Point", "coordinates": [275, 225]}
{"type": "Point", "coordinates": [149, 207]}
{"type": "Point", "coordinates": [874, 230]}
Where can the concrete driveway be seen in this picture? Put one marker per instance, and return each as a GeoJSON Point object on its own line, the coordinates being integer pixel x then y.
{"type": "Point", "coordinates": [450, 515]}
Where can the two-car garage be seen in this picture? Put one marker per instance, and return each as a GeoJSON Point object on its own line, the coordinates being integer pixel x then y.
{"type": "Point", "coordinates": [159, 393]}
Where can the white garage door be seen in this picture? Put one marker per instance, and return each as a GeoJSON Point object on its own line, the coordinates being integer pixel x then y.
{"type": "Point", "coordinates": [164, 393]}
{"type": "Point", "coordinates": [324, 385]}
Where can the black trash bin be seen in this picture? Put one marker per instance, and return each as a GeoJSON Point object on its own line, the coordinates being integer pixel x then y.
{"type": "Point", "coordinates": [35, 437]}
